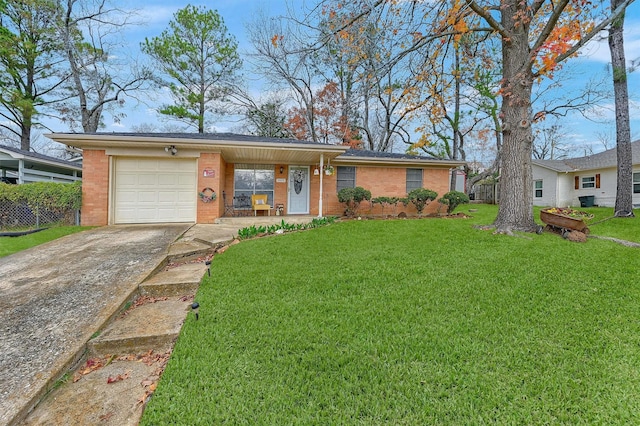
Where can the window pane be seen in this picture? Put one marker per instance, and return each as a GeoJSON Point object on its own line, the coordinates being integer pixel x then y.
{"type": "Point", "coordinates": [414, 179]}
{"type": "Point", "coordinates": [538, 184]}
{"type": "Point", "coordinates": [346, 177]}
{"type": "Point", "coordinates": [589, 182]}
{"type": "Point", "coordinates": [264, 179]}
{"type": "Point", "coordinates": [252, 179]}
{"type": "Point", "coordinates": [243, 179]}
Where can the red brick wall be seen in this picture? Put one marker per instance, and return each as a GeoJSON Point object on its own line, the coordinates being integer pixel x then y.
{"type": "Point", "coordinates": [208, 212]}
{"type": "Point", "coordinates": [95, 188]}
{"type": "Point", "coordinates": [381, 181]}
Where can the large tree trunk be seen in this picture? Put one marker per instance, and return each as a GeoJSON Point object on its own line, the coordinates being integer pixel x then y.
{"type": "Point", "coordinates": [516, 183]}
{"type": "Point", "coordinates": [624, 193]}
{"type": "Point", "coordinates": [25, 134]}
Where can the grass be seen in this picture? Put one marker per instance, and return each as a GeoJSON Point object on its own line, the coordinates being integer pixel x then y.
{"type": "Point", "coordinates": [10, 245]}
{"type": "Point", "coordinates": [411, 322]}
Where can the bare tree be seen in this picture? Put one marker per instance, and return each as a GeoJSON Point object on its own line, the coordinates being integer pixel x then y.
{"type": "Point", "coordinates": [548, 143]}
{"type": "Point", "coordinates": [90, 30]}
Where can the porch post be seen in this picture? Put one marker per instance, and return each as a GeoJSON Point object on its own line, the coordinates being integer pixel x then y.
{"type": "Point", "coordinates": [321, 183]}
{"type": "Point", "coordinates": [20, 171]}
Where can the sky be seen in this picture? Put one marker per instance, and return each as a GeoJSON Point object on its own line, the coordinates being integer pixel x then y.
{"type": "Point", "coordinates": [237, 14]}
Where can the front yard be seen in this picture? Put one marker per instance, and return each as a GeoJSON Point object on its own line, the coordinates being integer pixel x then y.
{"type": "Point", "coordinates": [10, 245]}
{"type": "Point", "coordinates": [412, 322]}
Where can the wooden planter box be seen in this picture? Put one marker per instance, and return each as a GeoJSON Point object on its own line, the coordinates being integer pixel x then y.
{"type": "Point", "coordinates": [564, 222]}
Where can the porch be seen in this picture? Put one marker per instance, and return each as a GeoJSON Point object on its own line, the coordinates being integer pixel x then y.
{"type": "Point", "coordinates": [245, 221]}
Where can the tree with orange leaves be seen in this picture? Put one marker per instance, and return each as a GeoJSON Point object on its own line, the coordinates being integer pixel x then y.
{"type": "Point", "coordinates": [536, 36]}
{"type": "Point", "coordinates": [331, 124]}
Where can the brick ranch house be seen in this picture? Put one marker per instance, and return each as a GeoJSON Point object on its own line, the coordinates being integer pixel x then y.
{"type": "Point", "coordinates": [161, 178]}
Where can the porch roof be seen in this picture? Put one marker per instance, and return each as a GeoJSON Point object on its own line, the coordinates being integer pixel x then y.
{"type": "Point", "coordinates": [29, 166]}
{"type": "Point", "coordinates": [233, 148]}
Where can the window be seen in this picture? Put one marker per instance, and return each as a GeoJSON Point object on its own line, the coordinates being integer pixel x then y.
{"type": "Point", "coordinates": [537, 188]}
{"type": "Point", "coordinates": [414, 179]}
{"type": "Point", "coordinates": [346, 177]}
{"type": "Point", "coordinates": [588, 182]}
{"type": "Point", "coordinates": [252, 179]}
{"type": "Point", "coordinates": [636, 183]}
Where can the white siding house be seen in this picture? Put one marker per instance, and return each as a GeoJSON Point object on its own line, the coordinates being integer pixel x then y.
{"type": "Point", "coordinates": [19, 166]}
{"type": "Point", "coordinates": [561, 183]}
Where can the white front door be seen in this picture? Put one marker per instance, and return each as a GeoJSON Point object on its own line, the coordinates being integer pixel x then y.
{"type": "Point", "coordinates": [298, 190]}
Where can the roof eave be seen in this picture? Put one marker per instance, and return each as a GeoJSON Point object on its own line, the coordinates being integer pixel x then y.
{"type": "Point", "coordinates": [399, 161]}
{"type": "Point", "coordinates": [106, 140]}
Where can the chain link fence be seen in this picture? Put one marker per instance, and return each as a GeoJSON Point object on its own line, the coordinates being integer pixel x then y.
{"type": "Point", "coordinates": [22, 216]}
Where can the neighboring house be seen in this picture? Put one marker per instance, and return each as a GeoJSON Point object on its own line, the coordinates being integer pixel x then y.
{"type": "Point", "coordinates": [19, 166]}
{"type": "Point", "coordinates": [564, 183]}
{"type": "Point", "coordinates": [155, 178]}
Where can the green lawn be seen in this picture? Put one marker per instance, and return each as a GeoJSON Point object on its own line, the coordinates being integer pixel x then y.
{"type": "Point", "coordinates": [10, 245]}
{"type": "Point", "coordinates": [412, 322]}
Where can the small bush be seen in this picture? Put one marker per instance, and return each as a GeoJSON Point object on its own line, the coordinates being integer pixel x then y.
{"type": "Point", "coordinates": [453, 199]}
{"type": "Point", "coordinates": [420, 197]}
{"type": "Point", "coordinates": [352, 197]}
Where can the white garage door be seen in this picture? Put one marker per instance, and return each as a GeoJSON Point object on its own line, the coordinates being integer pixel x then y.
{"type": "Point", "coordinates": [155, 190]}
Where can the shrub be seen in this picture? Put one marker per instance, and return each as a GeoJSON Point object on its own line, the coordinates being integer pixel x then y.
{"type": "Point", "coordinates": [453, 199]}
{"type": "Point", "coordinates": [420, 197]}
{"type": "Point", "coordinates": [352, 197]}
{"type": "Point", "coordinates": [51, 195]}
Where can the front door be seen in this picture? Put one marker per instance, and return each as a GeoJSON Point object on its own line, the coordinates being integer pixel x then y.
{"type": "Point", "coordinates": [298, 190]}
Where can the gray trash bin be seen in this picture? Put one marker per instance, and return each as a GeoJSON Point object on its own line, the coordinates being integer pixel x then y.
{"type": "Point", "coordinates": [587, 200]}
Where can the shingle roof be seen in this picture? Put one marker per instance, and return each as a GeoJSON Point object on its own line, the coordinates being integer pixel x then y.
{"type": "Point", "coordinates": [42, 157]}
{"type": "Point", "coordinates": [602, 160]}
{"type": "Point", "coordinates": [211, 137]}
{"type": "Point", "coordinates": [251, 138]}
{"type": "Point", "coordinates": [376, 154]}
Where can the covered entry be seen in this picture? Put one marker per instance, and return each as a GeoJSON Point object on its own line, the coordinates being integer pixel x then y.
{"type": "Point", "coordinates": [154, 190]}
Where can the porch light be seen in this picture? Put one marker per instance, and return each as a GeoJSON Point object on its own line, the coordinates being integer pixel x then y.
{"type": "Point", "coordinates": [171, 149]}
{"type": "Point", "coordinates": [281, 170]}
{"type": "Point", "coordinates": [194, 307]}
{"type": "Point", "coordinates": [316, 171]}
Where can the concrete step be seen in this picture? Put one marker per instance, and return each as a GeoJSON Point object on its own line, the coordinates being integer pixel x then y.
{"type": "Point", "coordinates": [112, 395]}
{"type": "Point", "coordinates": [141, 328]}
{"type": "Point", "coordinates": [185, 250]}
{"type": "Point", "coordinates": [179, 281]}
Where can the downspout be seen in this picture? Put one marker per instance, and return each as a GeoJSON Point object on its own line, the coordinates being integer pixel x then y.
{"type": "Point", "coordinates": [321, 184]}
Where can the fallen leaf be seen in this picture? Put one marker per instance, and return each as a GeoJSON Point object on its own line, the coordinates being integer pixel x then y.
{"type": "Point", "coordinates": [106, 417]}
{"type": "Point", "coordinates": [118, 378]}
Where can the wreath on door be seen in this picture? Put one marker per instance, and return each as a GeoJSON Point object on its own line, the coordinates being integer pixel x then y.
{"type": "Point", "coordinates": [298, 178]}
{"type": "Point", "coordinates": [207, 195]}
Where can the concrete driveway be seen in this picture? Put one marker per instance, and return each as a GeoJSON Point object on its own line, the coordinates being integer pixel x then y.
{"type": "Point", "coordinates": [54, 297]}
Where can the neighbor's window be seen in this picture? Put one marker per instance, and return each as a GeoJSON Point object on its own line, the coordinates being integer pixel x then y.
{"type": "Point", "coordinates": [346, 177]}
{"type": "Point", "coordinates": [249, 179]}
{"type": "Point", "coordinates": [588, 182]}
{"type": "Point", "coordinates": [636, 183]}
{"type": "Point", "coordinates": [414, 179]}
{"type": "Point", "coordinates": [537, 186]}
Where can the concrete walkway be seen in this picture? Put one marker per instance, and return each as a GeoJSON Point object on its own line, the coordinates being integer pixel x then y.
{"type": "Point", "coordinates": [54, 297]}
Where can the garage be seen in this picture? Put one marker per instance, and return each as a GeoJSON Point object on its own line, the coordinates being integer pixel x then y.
{"type": "Point", "coordinates": [154, 190]}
